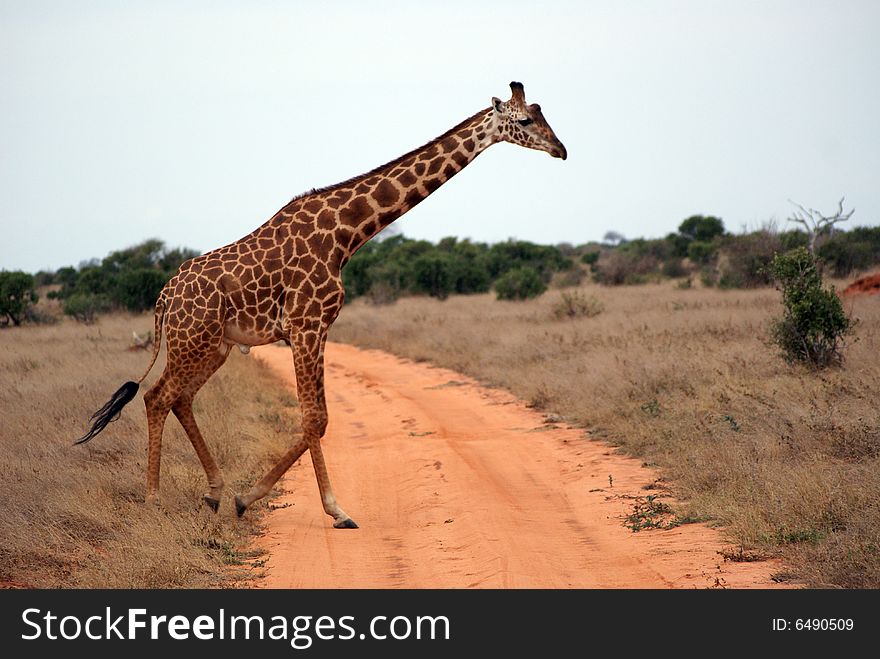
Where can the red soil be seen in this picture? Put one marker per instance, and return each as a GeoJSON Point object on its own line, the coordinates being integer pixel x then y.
{"type": "Point", "coordinates": [869, 285]}
{"type": "Point", "coordinates": [459, 486]}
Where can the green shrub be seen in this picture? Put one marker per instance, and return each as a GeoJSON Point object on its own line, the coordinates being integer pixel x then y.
{"type": "Point", "coordinates": [789, 240]}
{"type": "Point", "coordinates": [17, 295]}
{"type": "Point", "coordinates": [704, 229]}
{"type": "Point", "coordinates": [814, 323]}
{"type": "Point", "coordinates": [130, 279]}
{"type": "Point", "coordinates": [434, 274]}
{"type": "Point", "coordinates": [701, 252]}
{"type": "Point", "coordinates": [849, 251]}
{"type": "Point", "coordinates": [384, 270]}
{"type": "Point", "coordinates": [659, 250]}
{"type": "Point", "coordinates": [519, 284]}
{"type": "Point", "coordinates": [137, 290]}
{"type": "Point", "coordinates": [44, 278]}
{"type": "Point", "coordinates": [678, 244]}
{"type": "Point", "coordinates": [590, 258]}
{"type": "Point", "coordinates": [701, 227]}
{"type": "Point", "coordinates": [513, 254]}
{"type": "Point", "coordinates": [85, 307]}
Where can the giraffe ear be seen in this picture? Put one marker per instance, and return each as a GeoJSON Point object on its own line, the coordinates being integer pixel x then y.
{"type": "Point", "coordinates": [496, 103]}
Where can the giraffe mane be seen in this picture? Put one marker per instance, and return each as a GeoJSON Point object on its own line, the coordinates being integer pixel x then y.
{"type": "Point", "coordinates": [391, 163]}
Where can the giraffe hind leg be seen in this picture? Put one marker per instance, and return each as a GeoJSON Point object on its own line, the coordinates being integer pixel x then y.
{"type": "Point", "coordinates": [262, 487]}
{"type": "Point", "coordinates": [182, 409]}
{"type": "Point", "coordinates": [158, 400]}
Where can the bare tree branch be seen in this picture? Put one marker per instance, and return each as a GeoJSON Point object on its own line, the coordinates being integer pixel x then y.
{"type": "Point", "coordinates": [815, 223]}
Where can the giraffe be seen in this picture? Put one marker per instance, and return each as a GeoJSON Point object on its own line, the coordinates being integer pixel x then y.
{"type": "Point", "coordinates": [283, 282]}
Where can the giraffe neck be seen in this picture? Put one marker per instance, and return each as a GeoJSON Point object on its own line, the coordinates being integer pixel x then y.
{"type": "Point", "coordinates": [356, 210]}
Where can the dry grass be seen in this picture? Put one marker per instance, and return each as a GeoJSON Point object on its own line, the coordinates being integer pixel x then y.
{"type": "Point", "coordinates": [785, 459]}
{"type": "Point", "coordinates": [74, 516]}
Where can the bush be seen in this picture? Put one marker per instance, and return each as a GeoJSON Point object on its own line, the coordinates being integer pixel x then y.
{"type": "Point", "coordinates": [814, 323]}
{"type": "Point", "coordinates": [396, 266]}
{"type": "Point", "coordinates": [624, 267]}
{"type": "Point", "coordinates": [433, 273]}
{"type": "Point", "coordinates": [39, 316]}
{"type": "Point", "coordinates": [659, 249]}
{"type": "Point", "coordinates": [130, 279]}
{"type": "Point", "coordinates": [137, 290]}
{"type": "Point", "coordinates": [382, 292]}
{"type": "Point", "coordinates": [44, 278]}
{"type": "Point", "coordinates": [85, 307]}
{"type": "Point", "coordinates": [850, 251]}
{"type": "Point", "coordinates": [513, 254]}
{"type": "Point", "coordinates": [17, 295]}
{"type": "Point", "coordinates": [673, 268]}
{"type": "Point", "coordinates": [590, 258]}
{"type": "Point", "coordinates": [701, 227]}
{"type": "Point", "coordinates": [708, 277]}
{"type": "Point", "coordinates": [577, 305]}
{"type": "Point", "coordinates": [701, 252]}
{"type": "Point", "coordinates": [519, 284]}
{"type": "Point", "coordinates": [569, 278]}
{"type": "Point", "coordinates": [745, 261]}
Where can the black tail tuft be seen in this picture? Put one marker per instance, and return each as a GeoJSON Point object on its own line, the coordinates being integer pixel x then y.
{"type": "Point", "coordinates": [111, 410]}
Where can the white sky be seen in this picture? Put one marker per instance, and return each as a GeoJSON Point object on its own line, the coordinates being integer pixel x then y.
{"type": "Point", "coordinates": [193, 122]}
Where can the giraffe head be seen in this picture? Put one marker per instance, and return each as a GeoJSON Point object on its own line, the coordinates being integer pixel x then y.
{"type": "Point", "coordinates": [523, 124]}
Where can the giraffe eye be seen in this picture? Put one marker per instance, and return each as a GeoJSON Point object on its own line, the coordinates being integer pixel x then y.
{"type": "Point", "coordinates": [525, 122]}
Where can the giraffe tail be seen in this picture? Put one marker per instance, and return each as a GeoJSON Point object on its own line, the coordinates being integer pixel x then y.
{"type": "Point", "coordinates": [124, 395]}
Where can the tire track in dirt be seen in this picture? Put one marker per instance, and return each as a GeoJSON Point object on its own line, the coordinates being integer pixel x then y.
{"type": "Point", "coordinates": [456, 485]}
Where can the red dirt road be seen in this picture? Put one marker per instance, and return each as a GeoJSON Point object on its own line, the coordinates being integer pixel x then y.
{"type": "Point", "coordinates": [455, 485]}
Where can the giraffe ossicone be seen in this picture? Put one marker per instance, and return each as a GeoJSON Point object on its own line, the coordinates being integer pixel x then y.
{"type": "Point", "coordinates": [283, 282]}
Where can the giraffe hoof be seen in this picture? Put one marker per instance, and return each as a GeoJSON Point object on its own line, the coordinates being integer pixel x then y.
{"type": "Point", "coordinates": [240, 506]}
{"type": "Point", "coordinates": [213, 503]}
{"type": "Point", "coordinates": [345, 524]}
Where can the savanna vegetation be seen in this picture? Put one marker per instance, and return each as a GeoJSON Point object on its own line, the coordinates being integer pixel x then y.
{"type": "Point", "coordinates": [395, 266]}
{"type": "Point", "coordinates": [74, 516]}
{"type": "Point", "coordinates": [384, 270]}
{"type": "Point", "coordinates": [757, 405]}
{"type": "Point", "coordinates": [128, 279]}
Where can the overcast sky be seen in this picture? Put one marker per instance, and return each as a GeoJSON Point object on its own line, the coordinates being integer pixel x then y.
{"type": "Point", "coordinates": [194, 122]}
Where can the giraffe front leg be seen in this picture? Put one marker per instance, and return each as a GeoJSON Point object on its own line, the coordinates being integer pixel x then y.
{"type": "Point", "coordinates": [341, 520]}
{"type": "Point", "coordinates": [308, 363]}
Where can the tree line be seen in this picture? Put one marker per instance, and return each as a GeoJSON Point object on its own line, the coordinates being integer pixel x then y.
{"type": "Point", "coordinates": [703, 247]}
{"type": "Point", "coordinates": [385, 269]}
{"type": "Point", "coordinates": [129, 279]}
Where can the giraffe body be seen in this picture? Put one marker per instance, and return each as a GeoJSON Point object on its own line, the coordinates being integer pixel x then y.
{"type": "Point", "coordinates": [283, 282]}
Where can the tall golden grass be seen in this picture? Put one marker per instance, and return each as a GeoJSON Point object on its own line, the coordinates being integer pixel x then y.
{"type": "Point", "coordinates": [786, 459]}
{"type": "Point", "coordinates": [74, 516]}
